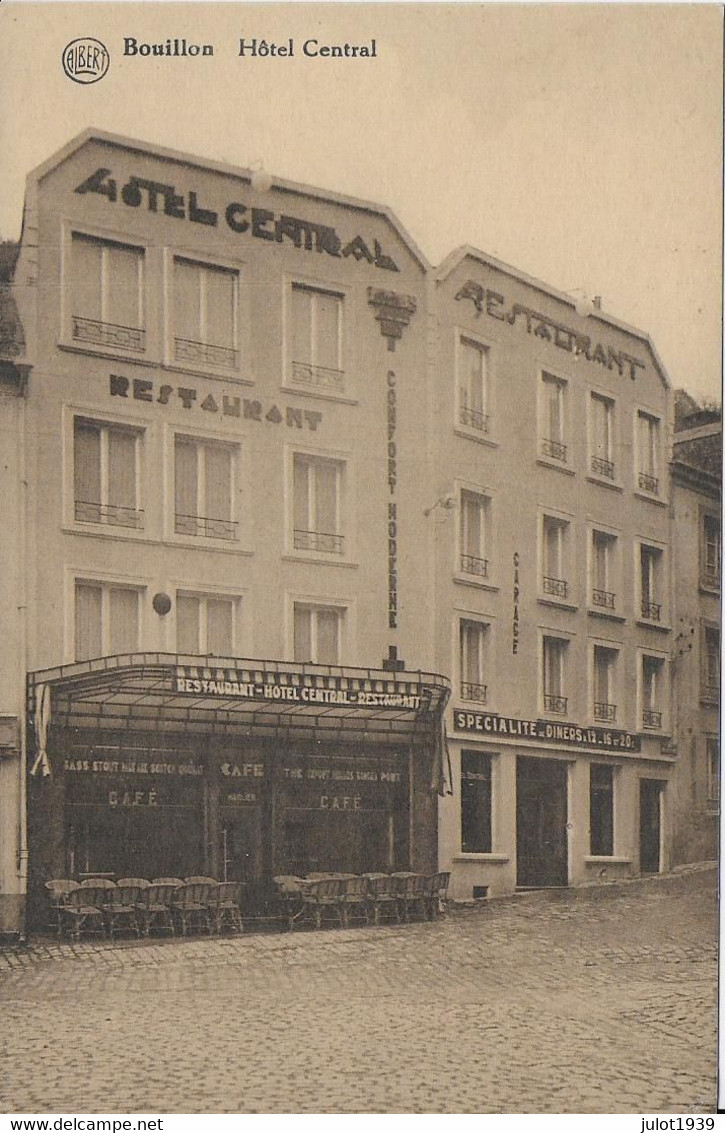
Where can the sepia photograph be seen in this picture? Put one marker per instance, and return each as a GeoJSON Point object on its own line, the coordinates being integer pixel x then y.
{"type": "Point", "coordinates": [360, 571]}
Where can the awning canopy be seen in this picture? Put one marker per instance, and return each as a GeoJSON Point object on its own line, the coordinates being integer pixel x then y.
{"type": "Point", "coordinates": [234, 696]}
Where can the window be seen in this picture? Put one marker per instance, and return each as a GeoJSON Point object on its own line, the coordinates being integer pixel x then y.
{"type": "Point", "coordinates": [473, 521]}
{"type": "Point", "coordinates": [317, 634]}
{"type": "Point", "coordinates": [317, 338]}
{"type": "Point", "coordinates": [648, 443]}
{"type": "Point", "coordinates": [651, 582]}
{"type": "Point", "coordinates": [555, 552]}
{"type": "Point", "coordinates": [712, 747]}
{"type": "Point", "coordinates": [604, 549]}
{"type": "Point", "coordinates": [602, 438]}
{"type": "Point", "coordinates": [317, 489]}
{"type": "Point", "coordinates": [107, 303]}
{"type": "Point", "coordinates": [553, 431]}
{"type": "Point", "coordinates": [475, 803]}
{"type": "Point", "coordinates": [105, 474]}
{"type": "Point", "coordinates": [605, 672]}
{"type": "Point", "coordinates": [653, 669]}
{"type": "Point", "coordinates": [472, 642]}
{"type": "Point", "coordinates": [106, 620]}
{"type": "Point", "coordinates": [601, 810]}
{"type": "Point", "coordinates": [710, 662]}
{"type": "Point", "coordinates": [203, 488]}
{"type": "Point", "coordinates": [205, 315]}
{"type": "Point", "coordinates": [554, 653]}
{"type": "Point", "coordinates": [710, 551]}
{"type": "Point", "coordinates": [205, 624]}
{"type": "Point", "coordinates": [472, 364]}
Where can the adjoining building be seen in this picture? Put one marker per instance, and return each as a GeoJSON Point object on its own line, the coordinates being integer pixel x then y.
{"type": "Point", "coordinates": [290, 507]}
{"type": "Point", "coordinates": [552, 583]}
{"type": "Point", "coordinates": [696, 476]}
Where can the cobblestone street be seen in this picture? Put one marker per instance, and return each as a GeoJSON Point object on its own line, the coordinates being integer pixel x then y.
{"type": "Point", "coordinates": [597, 1000]}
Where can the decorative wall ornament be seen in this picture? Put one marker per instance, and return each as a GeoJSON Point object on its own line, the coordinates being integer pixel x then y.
{"type": "Point", "coordinates": [393, 311]}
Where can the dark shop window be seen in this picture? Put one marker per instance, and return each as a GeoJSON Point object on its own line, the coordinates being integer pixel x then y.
{"type": "Point", "coordinates": [601, 809]}
{"type": "Point", "coordinates": [475, 802]}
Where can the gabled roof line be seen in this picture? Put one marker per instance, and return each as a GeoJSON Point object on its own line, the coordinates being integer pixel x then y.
{"type": "Point", "coordinates": [467, 251]}
{"type": "Point", "coordinates": [237, 173]}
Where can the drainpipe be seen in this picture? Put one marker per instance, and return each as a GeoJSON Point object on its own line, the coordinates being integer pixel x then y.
{"type": "Point", "coordinates": [23, 643]}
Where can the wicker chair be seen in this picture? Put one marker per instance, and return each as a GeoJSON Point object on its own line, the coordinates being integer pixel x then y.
{"type": "Point", "coordinates": [58, 889]}
{"type": "Point", "coordinates": [323, 895]}
{"type": "Point", "coordinates": [154, 907]}
{"type": "Point", "coordinates": [201, 881]}
{"type": "Point", "coordinates": [289, 892]}
{"type": "Point", "coordinates": [98, 883]}
{"type": "Point", "coordinates": [353, 899]}
{"type": "Point", "coordinates": [438, 894]}
{"type": "Point", "coordinates": [139, 882]}
{"type": "Point", "coordinates": [223, 905]}
{"type": "Point", "coordinates": [168, 881]}
{"type": "Point", "coordinates": [82, 911]}
{"type": "Point", "coordinates": [383, 896]}
{"type": "Point", "coordinates": [190, 903]}
{"type": "Point", "coordinates": [413, 891]}
{"type": "Point", "coordinates": [120, 907]}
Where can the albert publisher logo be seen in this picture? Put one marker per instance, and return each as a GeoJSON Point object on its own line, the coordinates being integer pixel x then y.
{"type": "Point", "coordinates": [85, 60]}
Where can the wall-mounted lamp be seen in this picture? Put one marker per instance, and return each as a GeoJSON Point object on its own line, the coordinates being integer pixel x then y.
{"type": "Point", "coordinates": [447, 502]}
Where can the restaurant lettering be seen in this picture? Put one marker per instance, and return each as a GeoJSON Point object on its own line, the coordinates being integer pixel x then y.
{"type": "Point", "coordinates": [260, 223]}
{"type": "Point", "coordinates": [249, 409]}
{"type": "Point", "coordinates": [299, 694]}
{"type": "Point", "coordinates": [487, 723]}
{"type": "Point", "coordinates": [548, 330]}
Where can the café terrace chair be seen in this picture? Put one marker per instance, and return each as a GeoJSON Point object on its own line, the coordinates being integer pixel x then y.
{"type": "Point", "coordinates": [167, 881]}
{"type": "Point", "coordinates": [224, 906]}
{"type": "Point", "coordinates": [413, 890]}
{"type": "Point", "coordinates": [437, 900]}
{"type": "Point", "coordinates": [82, 911]}
{"type": "Point", "coordinates": [322, 895]}
{"type": "Point", "coordinates": [98, 883]}
{"type": "Point", "coordinates": [201, 880]}
{"type": "Point", "coordinates": [58, 889]}
{"type": "Point", "coordinates": [290, 888]}
{"type": "Point", "coordinates": [154, 907]}
{"type": "Point", "coordinates": [139, 882]}
{"type": "Point", "coordinates": [120, 907]}
{"type": "Point", "coordinates": [353, 898]}
{"type": "Point", "coordinates": [382, 896]}
{"type": "Point", "coordinates": [190, 903]}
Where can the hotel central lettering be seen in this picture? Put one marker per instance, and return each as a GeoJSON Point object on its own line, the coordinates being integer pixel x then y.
{"type": "Point", "coordinates": [240, 218]}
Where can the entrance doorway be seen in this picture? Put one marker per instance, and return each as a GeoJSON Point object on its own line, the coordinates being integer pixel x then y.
{"type": "Point", "coordinates": [542, 858]}
{"type": "Point", "coordinates": [650, 823]}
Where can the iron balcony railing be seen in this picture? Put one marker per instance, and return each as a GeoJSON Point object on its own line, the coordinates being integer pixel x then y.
{"type": "Point", "coordinates": [648, 483]}
{"type": "Point", "coordinates": [87, 511]}
{"type": "Point", "coordinates": [558, 587]}
{"type": "Point", "coordinates": [475, 692]}
{"type": "Point", "coordinates": [474, 419]}
{"type": "Point", "coordinates": [108, 334]}
{"type": "Point", "coordinates": [553, 703]}
{"type": "Point", "coordinates": [205, 353]}
{"type": "Point", "coordinates": [320, 377]}
{"type": "Point", "coordinates": [605, 598]}
{"type": "Point", "coordinates": [318, 541]}
{"type": "Point", "coordinates": [605, 712]}
{"type": "Point", "coordinates": [651, 718]}
{"type": "Point", "coordinates": [652, 610]}
{"type": "Point", "coordinates": [554, 449]}
{"type": "Point", "coordinates": [710, 578]}
{"type": "Point", "coordinates": [602, 467]}
{"type": "Point", "coordinates": [205, 526]}
{"type": "Point", "coordinates": [471, 564]}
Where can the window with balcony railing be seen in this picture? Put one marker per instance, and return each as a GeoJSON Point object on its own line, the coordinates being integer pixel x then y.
{"type": "Point", "coordinates": [107, 294]}
{"type": "Point", "coordinates": [601, 444]}
{"type": "Point", "coordinates": [204, 481]}
{"type": "Point", "coordinates": [472, 648]}
{"type": "Point", "coordinates": [710, 686]}
{"type": "Point", "coordinates": [205, 331]}
{"type": "Point", "coordinates": [474, 517]}
{"type": "Point", "coordinates": [317, 339]}
{"type": "Point", "coordinates": [106, 474]}
{"type": "Point", "coordinates": [553, 418]}
{"type": "Point", "coordinates": [710, 551]}
{"type": "Point", "coordinates": [605, 662]}
{"type": "Point", "coordinates": [472, 385]}
{"type": "Point", "coordinates": [652, 692]}
{"type": "Point", "coordinates": [555, 557]}
{"type": "Point", "coordinates": [651, 582]}
{"type": "Point", "coordinates": [648, 453]}
{"type": "Point", "coordinates": [317, 505]}
{"type": "Point", "coordinates": [604, 570]}
{"type": "Point", "coordinates": [554, 654]}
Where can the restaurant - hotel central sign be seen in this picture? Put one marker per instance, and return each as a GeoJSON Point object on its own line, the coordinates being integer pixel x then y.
{"type": "Point", "coordinates": [296, 689]}
{"type": "Point", "coordinates": [489, 724]}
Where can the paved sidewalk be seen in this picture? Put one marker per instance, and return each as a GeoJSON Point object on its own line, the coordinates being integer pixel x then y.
{"type": "Point", "coordinates": [594, 1000]}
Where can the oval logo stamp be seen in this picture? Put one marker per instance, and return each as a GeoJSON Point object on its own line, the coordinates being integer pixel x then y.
{"type": "Point", "coordinates": [85, 60]}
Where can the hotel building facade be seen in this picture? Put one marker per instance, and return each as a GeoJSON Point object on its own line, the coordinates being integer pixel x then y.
{"type": "Point", "coordinates": [297, 506]}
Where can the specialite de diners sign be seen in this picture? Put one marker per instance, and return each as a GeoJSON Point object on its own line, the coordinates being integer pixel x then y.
{"type": "Point", "coordinates": [550, 731]}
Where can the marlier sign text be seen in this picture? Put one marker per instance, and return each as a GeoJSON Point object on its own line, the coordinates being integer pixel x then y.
{"type": "Point", "coordinates": [487, 723]}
